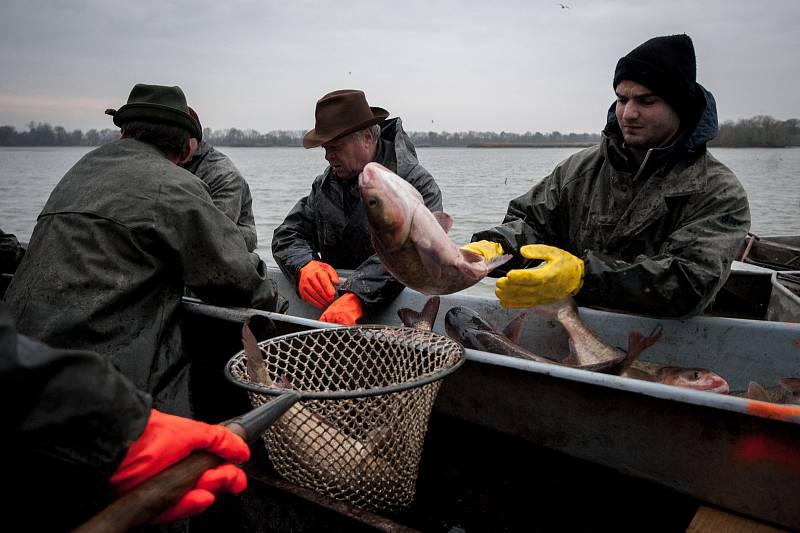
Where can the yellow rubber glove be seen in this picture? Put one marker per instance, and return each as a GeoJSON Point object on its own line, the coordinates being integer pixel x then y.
{"type": "Point", "coordinates": [560, 276]}
{"type": "Point", "coordinates": [488, 249]}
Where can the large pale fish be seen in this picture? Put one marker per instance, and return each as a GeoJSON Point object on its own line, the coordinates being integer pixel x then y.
{"type": "Point", "coordinates": [412, 242]}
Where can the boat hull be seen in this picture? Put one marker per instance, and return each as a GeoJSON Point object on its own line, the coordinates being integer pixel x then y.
{"type": "Point", "coordinates": [705, 446]}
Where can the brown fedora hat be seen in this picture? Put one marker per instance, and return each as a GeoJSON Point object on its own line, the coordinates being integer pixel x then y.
{"type": "Point", "coordinates": [340, 113]}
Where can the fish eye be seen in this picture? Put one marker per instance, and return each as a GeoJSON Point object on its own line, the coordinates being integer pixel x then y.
{"type": "Point", "coordinates": [695, 375]}
{"type": "Point", "coordinates": [372, 202]}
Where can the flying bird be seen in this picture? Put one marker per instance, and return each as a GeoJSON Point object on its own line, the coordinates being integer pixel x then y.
{"type": "Point", "coordinates": [564, 6]}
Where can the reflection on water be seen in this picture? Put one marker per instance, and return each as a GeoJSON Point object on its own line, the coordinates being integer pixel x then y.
{"type": "Point", "coordinates": [476, 183]}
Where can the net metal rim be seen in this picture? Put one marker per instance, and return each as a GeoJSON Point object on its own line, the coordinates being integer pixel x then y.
{"type": "Point", "coordinates": [338, 395]}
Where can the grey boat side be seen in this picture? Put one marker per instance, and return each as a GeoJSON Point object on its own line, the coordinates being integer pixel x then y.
{"type": "Point", "coordinates": [696, 443]}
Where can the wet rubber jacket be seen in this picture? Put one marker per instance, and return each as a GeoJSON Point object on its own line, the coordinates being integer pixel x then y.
{"type": "Point", "coordinates": [657, 238]}
{"type": "Point", "coordinates": [227, 187]}
{"type": "Point", "coordinates": [120, 236]}
{"type": "Point", "coordinates": [69, 419]}
{"type": "Point", "coordinates": [330, 223]}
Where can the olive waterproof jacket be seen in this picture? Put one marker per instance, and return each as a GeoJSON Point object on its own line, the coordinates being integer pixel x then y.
{"type": "Point", "coordinates": [330, 223]}
{"type": "Point", "coordinates": [657, 238]}
{"type": "Point", "coordinates": [122, 234]}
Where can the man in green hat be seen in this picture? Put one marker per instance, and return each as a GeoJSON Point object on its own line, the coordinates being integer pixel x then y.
{"type": "Point", "coordinates": [122, 234]}
{"type": "Point", "coordinates": [327, 229]}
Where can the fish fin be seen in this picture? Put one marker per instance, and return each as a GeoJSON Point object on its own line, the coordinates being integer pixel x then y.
{"type": "Point", "coordinates": [514, 328]}
{"type": "Point", "coordinates": [572, 358]}
{"type": "Point", "coordinates": [262, 327]}
{"type": "Point", "coordinates": [791, 385]}
{"type": "Point", "coordinates": [756, 392]}
{"type": "Point", "coordinates": [471, 257]}
{"type": "Point", "coordinates": [497, 261]}
{"type": "Point", "coordinates": [421, 319]}
{"type": "Point", "coordinates": [430, 261]}
{"type": "Point", "coordinates": [254, 359]}
{"type": "Point", "coordinates": [637, 343]}
{"type": "Point", "coordinates": [444, 220]}
{"type": "Point", "coordinates": [377, 439]}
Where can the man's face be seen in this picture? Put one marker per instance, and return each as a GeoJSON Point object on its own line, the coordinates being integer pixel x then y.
{"type": "Point", "coordinates": [348, 155]}
{"type": "Point", "coordinates": [646, 120]}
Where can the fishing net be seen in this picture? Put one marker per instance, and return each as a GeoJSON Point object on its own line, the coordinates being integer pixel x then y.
{"type": "Point", "coordinates": [367, 392]}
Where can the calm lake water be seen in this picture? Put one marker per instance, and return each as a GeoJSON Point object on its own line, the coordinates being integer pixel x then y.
{"type": "Point", "coordinates": [476, 183]}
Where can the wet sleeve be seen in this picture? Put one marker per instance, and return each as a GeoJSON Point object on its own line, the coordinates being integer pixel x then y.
{"type": "Point", "coordinates": [294, 241]}
{"type": "Point", "coordinates": [690, 268]}
{"type": "Point", "coordinates": [212, 253]}
{"type": "Point", "coordinates": [530, 218]}
{"type": "Point", "coordinates": [231, 194]}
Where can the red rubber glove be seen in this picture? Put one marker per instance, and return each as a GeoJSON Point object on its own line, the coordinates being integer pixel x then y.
{"type": "Point", "coordinates": [166, 440]}
{"type": "Point", "coordinates": [346, 310]}
{"type": "Point", "coordinates": [316, 285]}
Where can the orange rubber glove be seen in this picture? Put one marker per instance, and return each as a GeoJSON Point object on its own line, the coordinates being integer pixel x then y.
{"type": "Point", "coordinates": [345, 310]}
{"type": "Point", "coordinates": [316, 285]}
{"type": "Point", "coordinates": [166, 440]}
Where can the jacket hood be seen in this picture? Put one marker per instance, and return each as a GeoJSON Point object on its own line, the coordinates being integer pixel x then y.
{"type": "Point", "coordinates": [400, 149]}
{"type": "Point", "coordinates": [693, 139]}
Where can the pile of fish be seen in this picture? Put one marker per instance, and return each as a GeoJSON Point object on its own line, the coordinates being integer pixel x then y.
{"type": "Point", "coordinates": [587, 351]}
{"type": "Point", "coordinates": [412, 242]}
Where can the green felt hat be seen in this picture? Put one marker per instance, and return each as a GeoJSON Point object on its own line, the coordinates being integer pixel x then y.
{"type": "Point", "coordinates": [159, 104]}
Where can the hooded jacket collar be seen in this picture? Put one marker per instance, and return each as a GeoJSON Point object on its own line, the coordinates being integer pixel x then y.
{"type": "Point", "coordinates": [688, 146]}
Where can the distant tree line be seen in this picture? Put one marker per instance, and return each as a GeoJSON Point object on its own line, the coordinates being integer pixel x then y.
{"type": "Point", "coordinates": [759, 131]}
{"type": "Point", "coordinates": [43, 134]}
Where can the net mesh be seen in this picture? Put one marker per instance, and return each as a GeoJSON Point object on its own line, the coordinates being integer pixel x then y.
{"type": "Point", "coordinates": [363, 450]}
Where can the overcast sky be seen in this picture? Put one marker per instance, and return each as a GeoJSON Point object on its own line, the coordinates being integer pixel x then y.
{"type": "Point", "coordinates": [440, 65]}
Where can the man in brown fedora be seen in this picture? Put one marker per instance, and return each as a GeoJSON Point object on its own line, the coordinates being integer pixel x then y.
{"type": "Point", "coordinates": [122, 234]}
{"type": "Point", "coordinates": [327, 229]}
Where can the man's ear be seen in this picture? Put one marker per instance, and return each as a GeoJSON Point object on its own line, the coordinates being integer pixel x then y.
{"type": "Point", "coordinates": [191, 148]}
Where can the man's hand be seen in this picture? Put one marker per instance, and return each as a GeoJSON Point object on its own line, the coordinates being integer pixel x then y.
{"type": "Point", "coordinates": [166, 440]}
{"type": "Point", "coordinates": [488, 249]}
{"type": "Point", "coordinates": [316, 285]}
{"type": "Point", "coordinates": [560, 276]}
{"type": "Point", "coordinates": [346, 310]}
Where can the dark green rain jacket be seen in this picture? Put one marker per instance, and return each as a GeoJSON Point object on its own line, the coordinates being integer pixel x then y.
{"type": "Point", "coordinates": [227, 187]}
{"type": "Point", "coordinates": [120, 236]}
{"type": "Point", "coordinates": [330, 223]}
{"type": "Point", "coordinates": [657, 238]}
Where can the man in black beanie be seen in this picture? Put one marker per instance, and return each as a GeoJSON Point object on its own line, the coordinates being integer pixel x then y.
{"type": "Point", "coordinates": [647, 221]}
{"type": "Point", "coordinates": [122, 233]}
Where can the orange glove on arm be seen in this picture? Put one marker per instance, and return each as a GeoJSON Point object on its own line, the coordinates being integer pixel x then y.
{"type": "Point", "coordinates": [316, 284]}
{"type": "Point", "coordinates": [166, 440]}
{"type": "Point", "coordinates": [346, 310]}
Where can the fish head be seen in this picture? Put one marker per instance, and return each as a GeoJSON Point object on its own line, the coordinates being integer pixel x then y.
{"type": "Point", "coordinates": [462, 322]}
{"type": "Point", "coordinates": [388, 204]}
{"type": "Point", "coordinates": [695, 378]}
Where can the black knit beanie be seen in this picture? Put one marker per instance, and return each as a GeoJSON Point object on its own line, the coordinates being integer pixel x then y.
{"type": "Point", "coordinates": [667, 66]}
